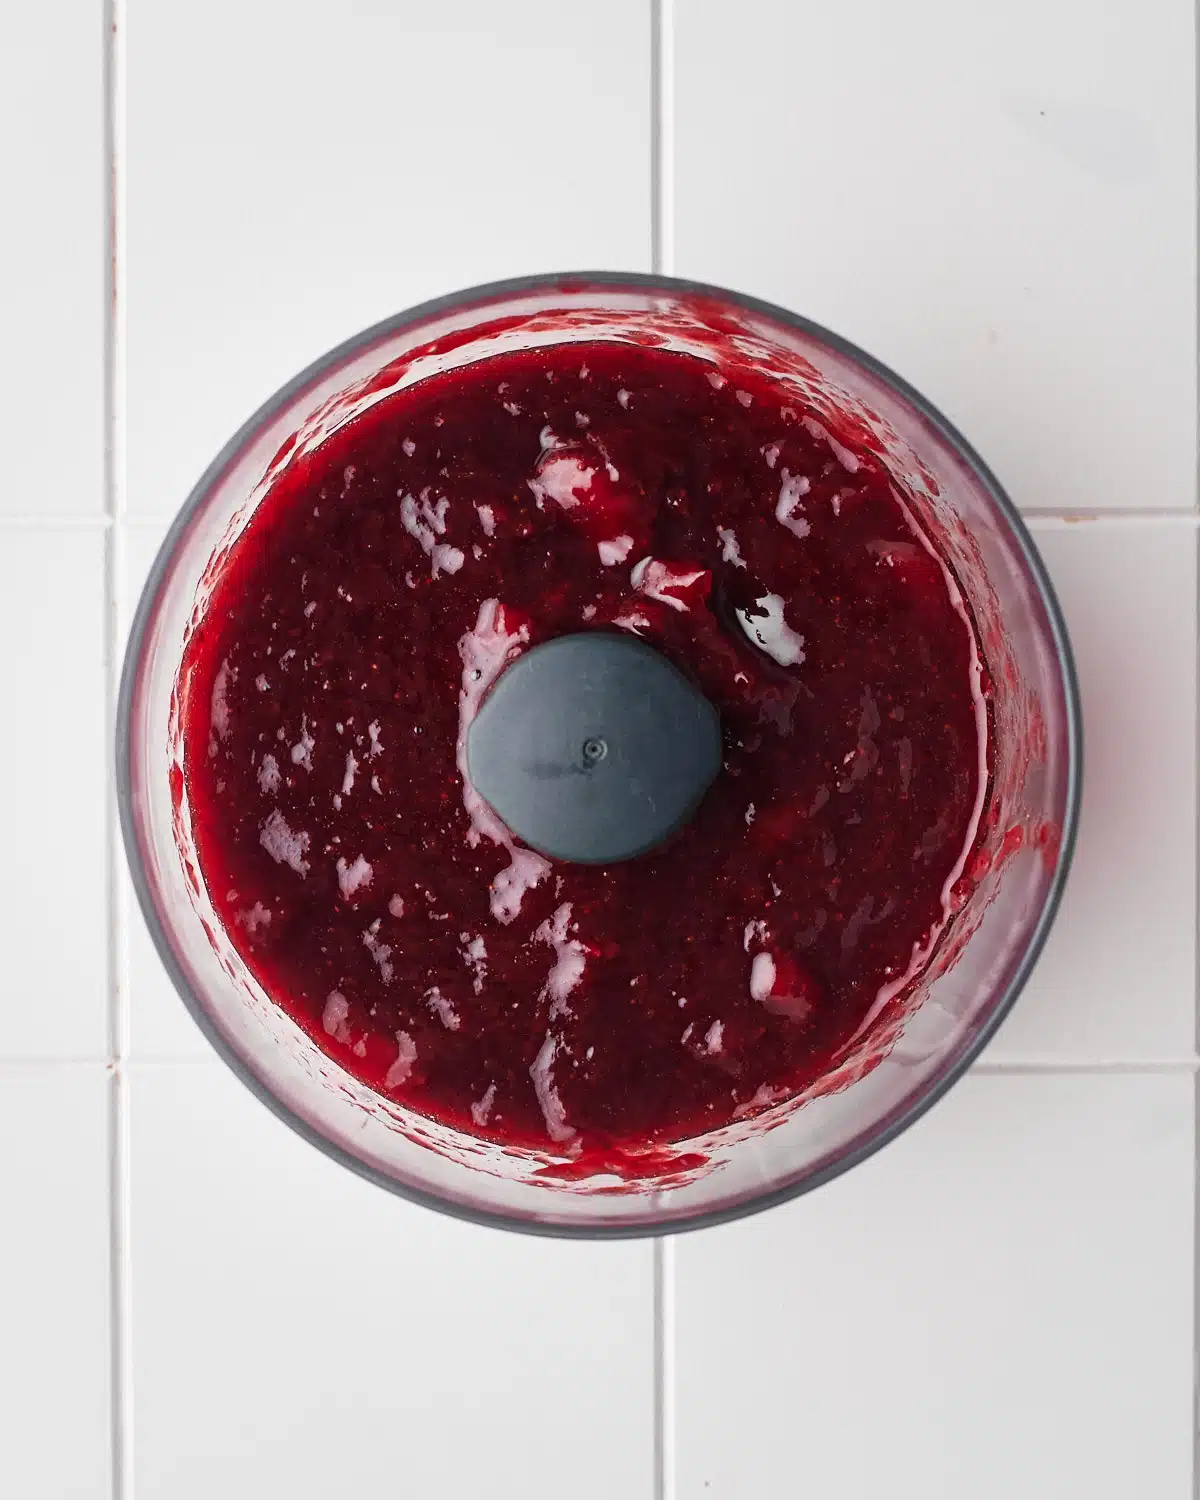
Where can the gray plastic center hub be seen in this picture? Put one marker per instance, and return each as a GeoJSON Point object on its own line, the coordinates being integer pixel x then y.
{"type": "Point", "coordinates": [594, 748]}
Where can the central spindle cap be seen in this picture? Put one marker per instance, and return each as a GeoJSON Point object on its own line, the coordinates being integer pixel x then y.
{"type": "Point", "coordinates": [594, 748]}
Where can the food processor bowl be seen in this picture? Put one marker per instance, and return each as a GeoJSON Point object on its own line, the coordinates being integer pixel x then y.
{"type": "Point", "coordinates": [920, 1039]}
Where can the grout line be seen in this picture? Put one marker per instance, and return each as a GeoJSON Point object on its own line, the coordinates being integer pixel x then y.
{"type": "Point", "coordinates": [1196, 852]}
{"type": "Point", "coordinates": [116, 300]}
{"type": "Point", "coordinates": [1195, 1302]}
{"type": "Point", "coordinates": [120, 1252]}
{"type": "Point", "coordinates": [1045, 519]}
{"type": "Point", "coordinates": [117, 1290]}
{"type": "Point", "coordinates": [655, 135]}
{"type": "Point", "coordinates": [1196, 1097]}
{"type": "Point", "coordinates": [207, 1059]}
{"type": "Point", "coordinates": [54, 1064]}
{"type": "Point", "coordinates": [662, 137]}
{"type": "Point", "coordinates": [664, 1371]}
{"type": "Point", "coordinates": [1068, 1068]}
{"type": "Point", "coordinates": [57, 523]}
{"type": "Point", "coordinates": [120, 1283]}
{"type": "Point", "coordinates": [112, 852]}
{"type": "Point", "coordinates": [1196, 841]}
{"type": "Point", "coordinates": [146, 519]}
{"type": "Point", "coordinates": [664, 1394]}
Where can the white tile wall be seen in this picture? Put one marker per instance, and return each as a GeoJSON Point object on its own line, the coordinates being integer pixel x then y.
{"type": "Point", "coordinates": [55, 1399]}
{"type": "Point", "coordinates": [53, 272]}
{"type": "Point", "coordinates": [297, 1332]}
{"type": "Point", "coordinates": [54, 763]}
{"type": "Point", "coordinates": [999, 1304]}
{"type": "Point", "coordinates": [998, 200]}
{"type": "Point", "coordinates": [1117, 981]}
{"type": "Point", "coordinates": [290, 181]}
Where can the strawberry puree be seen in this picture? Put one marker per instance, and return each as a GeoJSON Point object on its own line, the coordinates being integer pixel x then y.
{"type": "Point", "coordinates": [380, 590]}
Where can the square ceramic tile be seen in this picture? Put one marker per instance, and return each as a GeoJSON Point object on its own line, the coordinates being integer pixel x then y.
{"type": "Point", "coordinates": [54, 1298]}
{"type": "Point", "coordinates": [55, 762]}
{"type": "Point", "coordinates": [1117, 980]}
{"type": "Point", "coordinates": [997, 1305]}
{"type": "Point", "coordinates": [998, 200]}
{"type": "Point", "coordinates": [300, 1332]}
{"type": "Point", "coordinates": [53, 259]}
{"type": "Point", "coordinates": [292, 181]}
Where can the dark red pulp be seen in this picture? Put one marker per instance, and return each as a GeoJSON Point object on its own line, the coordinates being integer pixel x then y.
{"type": "Point", "coordinates": [381, 587]}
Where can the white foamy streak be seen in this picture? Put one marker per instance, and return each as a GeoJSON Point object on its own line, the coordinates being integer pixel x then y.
{"type": "Point", "coordinates": [219, 705]}
{"type": "Point", "coordinates": [284, 846]}
{"type": "Point", "coordinates": [485, 651]}
{"type": "Point", "coordinates": [268, 775]}
{"type": "Point", "coordinates": [730, 551]}
{"type": "Point", "coordinates": [406, 1055]}
{"type": "Point", "coordinates": [762, 976]}
{"type": "Point", "coordinates": [772, 632]}
{"type": "Point", "coordinates": [548, 1098]}
{"type": "Point", "coordinates": [482, 1108]}
{"type": "Point", "coordinates": [352, 877]}
{"type": "Point", "coordinates": [755, 932]}
{"type": "Point", "coordinates": [380, 952]}
{"type": "Point", "coordinates": [570, 960]}
{"type": "Point", "coordinates": [792, 490]}
{"type": "Point", "coordinates": [303, 749]}
{"type": "Point", "coordinates": [442, 1008]}
{"type": "Point", "coordinates": [849, 461]}
{"type": "Point", "coordinates": [474, 954]}
{"type": "Point", "coordinates": [425, 524]}
{"type": "Point", "coordinates": [615, 550]}
{"type": "Point", "coordinates": [656, 579]}
{"type": "Point", "coordinates": [333, 1017]}
{"type": "Point", "coordinates": [566, 478]}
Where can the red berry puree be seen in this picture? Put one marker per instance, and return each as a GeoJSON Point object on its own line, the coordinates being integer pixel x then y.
{"type": "Point", "coordinates": [381, 588]}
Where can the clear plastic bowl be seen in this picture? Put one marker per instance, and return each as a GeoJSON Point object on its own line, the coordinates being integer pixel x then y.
{"type": "Point", "coordinates": [892, 1074]}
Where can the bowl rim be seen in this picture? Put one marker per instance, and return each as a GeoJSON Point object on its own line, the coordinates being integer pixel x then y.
{"type": "Point", "coordinates": [484, 293]}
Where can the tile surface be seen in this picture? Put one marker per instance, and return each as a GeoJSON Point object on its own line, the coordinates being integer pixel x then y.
{"type": "Point", "coordinates": [997, 200]}
{"type": "Point", "coordinates": [299, 1332]}
{"type": "Point", "coordinates": [55, 761]}
{"type": "Point", "coordinates": [353, 168]}
{"type": "Point", "coordinates": [53, 259]}
{"type": "Point", "coordinates": [54, 1344]}
{"type": "Point", "coordinates": [1117, 980]}
{"type": "Point", "coordinates": [998, 1304]}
